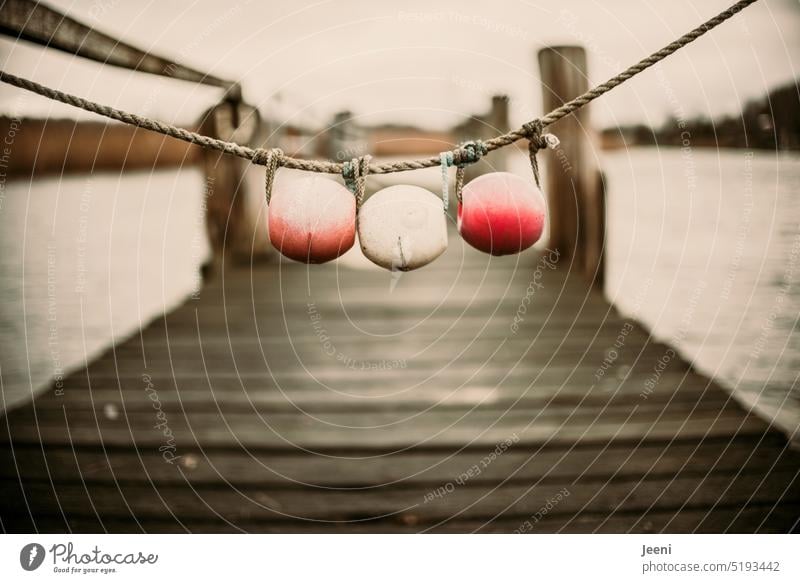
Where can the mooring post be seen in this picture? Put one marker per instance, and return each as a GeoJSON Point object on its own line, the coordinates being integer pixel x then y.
{"type": "Point", "coordinates": [574, 183]}
{"type": "Point", "coordinates": [235, 219]}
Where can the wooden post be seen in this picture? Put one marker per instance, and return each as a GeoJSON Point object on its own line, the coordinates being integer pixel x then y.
{"type": "Point", "coordinates": [235, 217]}
{"type": "Point", "coordinates": [574, 184]}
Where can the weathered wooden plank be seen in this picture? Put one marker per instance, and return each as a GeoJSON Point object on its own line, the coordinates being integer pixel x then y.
{"type": "Point", "coordinates": [380, 431]}
{"type": "Point", "coordinates": [330, 355]}
{"type": "Point", "coordinates": [177, 345]}
{"type": "Point", "coordinates": [408, 504]}
{"type": "Point", "coordinates": [393, 379]}
{"type": "Point", "coordinates": [239, 467]}
{"type": "Point", "coordinates": [311, 338]}
{"type": "Point", "coordinates": [197, 396]}
{"type": "Point", "coordinates": [749, 518]}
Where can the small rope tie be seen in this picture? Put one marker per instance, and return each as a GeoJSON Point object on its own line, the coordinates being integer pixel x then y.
{"type": "Point", "coordinates": [355, 173]}
{"type": "Point", "coordinates": [466, 154]}
{"type": "Point", "coordinates": [538, 141]}
{"type": "Point", "coordinates": [447, 161]}
{"type": "Point", "coordinates": [272, 159]}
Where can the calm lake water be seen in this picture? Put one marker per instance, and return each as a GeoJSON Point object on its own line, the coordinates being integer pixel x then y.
{"type": "Point", "coordinates": [703, 248]}
{"type": "Point", "coordinates": [86, 260]}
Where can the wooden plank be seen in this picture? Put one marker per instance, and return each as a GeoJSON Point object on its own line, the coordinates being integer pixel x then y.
{"type": "Point", "coordinates": [382, 432]}
{"type": "Point", "coordinates": [750, 518]}
{"type": "Point", "coordinates": [442, 374]}
{"type": "Point", "coordinates": [242, 468]}
{"type": "Point", "coordinates": [326, 356]}
{"type": "Point", "coordinates": [198, 396]}
{"type": "Point", "coordinates": [409, 504]}
{"type": "Point", "coordinates": [157, 339]}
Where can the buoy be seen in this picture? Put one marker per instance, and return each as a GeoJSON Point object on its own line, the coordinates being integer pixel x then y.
{"type": "Point", "coordinates": [402, 227]}
{"type": "Point", "coordinates": [501, 213]}
{"type": "Point", "coordinates": [312, 219]}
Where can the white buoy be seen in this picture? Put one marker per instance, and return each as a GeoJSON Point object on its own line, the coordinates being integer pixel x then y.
{"type": "Point", "coordinates": [402, 227]}
{"type": "Point", "coordinates": [312, 219]}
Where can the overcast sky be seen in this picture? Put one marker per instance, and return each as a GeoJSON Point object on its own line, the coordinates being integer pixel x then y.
{"type": "Point", "coordinates": [427, 63]}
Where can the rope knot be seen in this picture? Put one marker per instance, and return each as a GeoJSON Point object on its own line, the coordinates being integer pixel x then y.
{"type": "Point", "coordinates": [272, 159]}
{"type": "Point", "coordinates": [355, 173]}
{"type": "Point", "coordinates": [538, 141]}
{"type": "Point", "coordinates": [466, 154]}
{"type": "Point", "coordinates": [469, 153]}
{"type": "Point", "coordinates": [533, 131]}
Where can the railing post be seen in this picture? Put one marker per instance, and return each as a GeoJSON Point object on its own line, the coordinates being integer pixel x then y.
{"type": "Point", "coordinates": [574, 183]}
{"type": "Point", "coordinates": [235, 218]}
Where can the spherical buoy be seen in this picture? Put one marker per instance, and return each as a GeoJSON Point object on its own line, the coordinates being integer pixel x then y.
{"type": "Point", "coordinates": [501, 213]}
{"type": "Point", "coordinates": [312, 219]}
{"type": "Point", "coordinates": [402, 227]}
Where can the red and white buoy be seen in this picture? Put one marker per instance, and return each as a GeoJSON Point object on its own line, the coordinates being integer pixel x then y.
{"type": "Point", "coordinates": [312, 219]}
{"type": "Point", "coordinates": [501, 213]}
{"type": "Point", "coordinates": [402, 227]}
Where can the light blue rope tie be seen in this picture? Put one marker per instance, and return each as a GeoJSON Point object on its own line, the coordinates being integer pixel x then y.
{"type": "Point", "coordinates": [447, 161]}
{"type": "Point", "coordinates": [466, 154]}
{"type": "Point", "coordinates": [348, 173]}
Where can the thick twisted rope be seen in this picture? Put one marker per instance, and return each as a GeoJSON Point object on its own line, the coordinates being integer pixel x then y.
{"type": "Point", "coordinates": [327, 166]}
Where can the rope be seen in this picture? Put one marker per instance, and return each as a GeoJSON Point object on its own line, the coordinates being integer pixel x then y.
{"type": "Point", "coordinates": [272, 159]}
{"type": "Point", "coordinates": [355, 173]}
{"type": "Point", "coordinates": [330, 167]}
{"type": "Point", "coordinates": [468, 153]}
{"type": "Point", "coordinates": [538, 141]}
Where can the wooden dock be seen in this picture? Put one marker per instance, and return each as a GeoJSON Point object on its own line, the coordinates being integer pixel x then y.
{"type": "Point", "coordinates": [327, 399]}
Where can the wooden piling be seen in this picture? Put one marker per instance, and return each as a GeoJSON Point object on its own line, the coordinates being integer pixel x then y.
{"type": "Point", "coordinates": [574, 183]}
{"type": "Point", "coordinates": [235, 214]}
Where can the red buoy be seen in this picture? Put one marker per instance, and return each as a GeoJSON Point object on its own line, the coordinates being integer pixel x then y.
{"type": "Point", "coordinates": [312, 219]}
{"type": "Point", "coordinates": [501, 213]}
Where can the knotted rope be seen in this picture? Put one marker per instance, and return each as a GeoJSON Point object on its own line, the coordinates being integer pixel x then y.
{"type": "Point", "coordinates": [272, 159]}
{"type": "Point", "coordinates": [538, 141]}
{"type": "Point", "coordinates": [402, 166]}
{"type": "Point", "coordinates": [355, 173]}
{"type": "Point", "coordinates": [466, 154]}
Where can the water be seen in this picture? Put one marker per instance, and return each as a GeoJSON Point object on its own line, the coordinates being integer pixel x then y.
{"type": "Point", "coordinates": [703, 248]}
{"type": "Point", "coordinates": [86, 260]}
